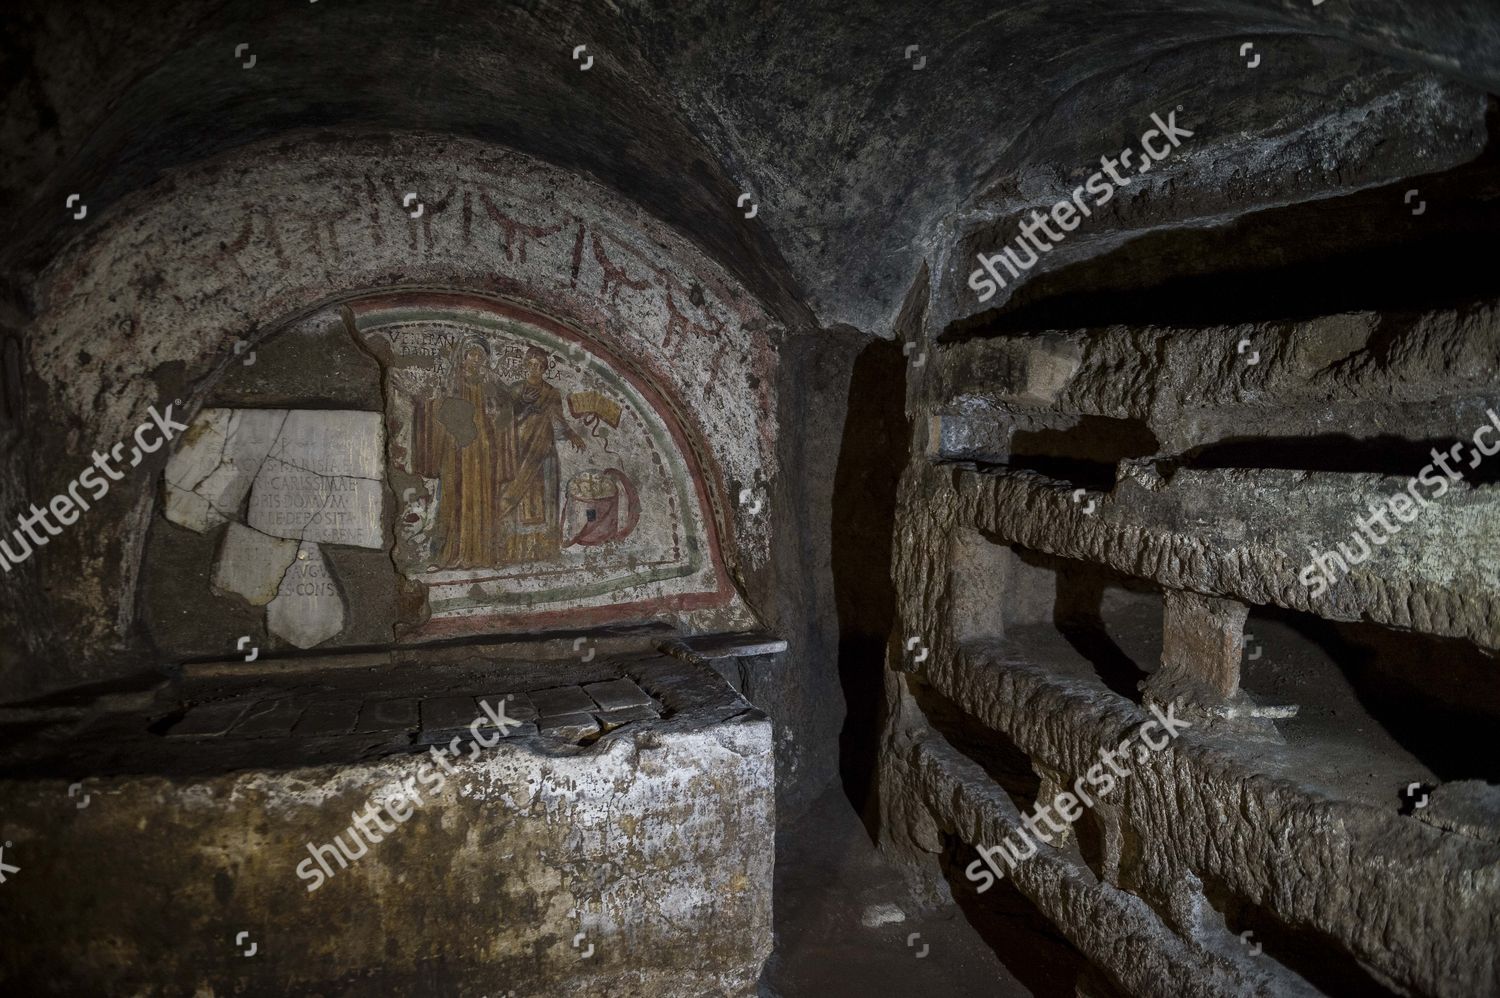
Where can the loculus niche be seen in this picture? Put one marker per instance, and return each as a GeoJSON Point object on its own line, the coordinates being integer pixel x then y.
{"type": "Point", "coordinates": [519, 478]}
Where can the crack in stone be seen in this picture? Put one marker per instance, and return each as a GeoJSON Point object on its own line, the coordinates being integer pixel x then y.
{"type": "Point", "coordinates": [340, 596]}
{"type": "Point", "coordinates": [323, 508]}
{"type": "Point", "coordinates": [276, 541]}
{"type": "Point", "coordinates": [218, 463]}
{"type": "Point", "coordinates": [320, 474]}
{"type": "Point", "coordinates": [277, 451]}
{"type": "Point", "coordinates": [222, 459]}
{"type": "Point", "coordinates": [346, 315]}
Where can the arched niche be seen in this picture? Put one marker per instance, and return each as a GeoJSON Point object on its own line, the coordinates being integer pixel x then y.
{"type": "Point", "coordinates": [232, 273]}
{"type": "Point", "coordinates": [502, 470]}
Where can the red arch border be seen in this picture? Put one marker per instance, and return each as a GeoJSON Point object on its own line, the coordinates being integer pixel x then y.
{"type": "Point", "coordinates": [699, 458]}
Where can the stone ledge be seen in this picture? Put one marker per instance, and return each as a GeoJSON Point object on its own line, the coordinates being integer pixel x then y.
{"type": "Point", "coordinates": [656, 843]}
{"type": "Point", "coordinates": [1245, 534]}
{"type": "Point", "coordinates": [1113, 928]}
{"type": "Point", "coordinates": [1339, 373]}
{"type": "Point", "coordinates": [1398, 893]}
{"type": "Point", "coordinates": [341, 712]}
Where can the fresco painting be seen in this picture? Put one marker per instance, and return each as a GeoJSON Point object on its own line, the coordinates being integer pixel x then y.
{"type": "Point", "coordinates": [532, 474]}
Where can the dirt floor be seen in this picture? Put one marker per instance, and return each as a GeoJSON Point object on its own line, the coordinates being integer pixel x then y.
{"type": "Point", "coordinates": [831, 880]}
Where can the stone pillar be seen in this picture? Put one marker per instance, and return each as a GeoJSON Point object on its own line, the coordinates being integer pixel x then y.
{"type": "Point", "coordinates": [1203, 640]}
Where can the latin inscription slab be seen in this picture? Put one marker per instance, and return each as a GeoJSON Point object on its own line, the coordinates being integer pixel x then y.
{"type": "Point", "coordinates": [322, 480]}
{"type": "Point", "coordinates": [308, 608]}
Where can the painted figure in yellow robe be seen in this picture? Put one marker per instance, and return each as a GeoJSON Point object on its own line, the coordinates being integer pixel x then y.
{"type": "Point", "coordinates": [530, 496]}
{"type": "Point", "coordinates": [475, 452]}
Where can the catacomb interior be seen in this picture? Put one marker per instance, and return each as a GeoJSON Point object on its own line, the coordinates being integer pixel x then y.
{"type": "Point", "coordinates": [685, 499]}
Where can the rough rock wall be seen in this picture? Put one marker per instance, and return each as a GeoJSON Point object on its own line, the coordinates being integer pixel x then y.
{"type": "Point", "coordinates": [1344, 856]}
{"type": "Point", "coordinates": [862, 153]}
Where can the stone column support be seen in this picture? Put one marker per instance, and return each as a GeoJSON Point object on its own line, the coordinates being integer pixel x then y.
{"type": "Point", "coordinates": [1203, 641]}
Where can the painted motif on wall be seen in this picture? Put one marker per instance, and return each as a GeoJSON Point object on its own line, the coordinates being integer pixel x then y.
{"type": "Point", "coordinates": [534, 476]}
{"type": "Point", "coordinates": [488, 448]}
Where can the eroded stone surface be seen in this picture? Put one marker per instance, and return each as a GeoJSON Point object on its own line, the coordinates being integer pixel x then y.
{"type": "Point", "coordinates": [1252, 534]}
{"type": "Point", "coordinates": [657, 843]}
{"type": "Point", "coordinates": [1173, 805]}
{"type": "Point", "coordinates": [1203, 641]}
{"type": "Point", "coordinates": [1192, 387]}
{"type": "Point", "coordinates": [1468, 807]}
{"type": "Point", "coordinates": [1262, 812]}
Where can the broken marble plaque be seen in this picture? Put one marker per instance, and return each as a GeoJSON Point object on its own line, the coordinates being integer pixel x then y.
{"type": "Point", "coordinates": [209, 476]}
{"type": "Point", "coordinates": [310, 474]}
{"type": "Point", "coordinates": [308, 608]}
{"type": "Point", "coordinates": [290, 501]}
{"type": "Point", "coordinates": [252, 564]}
{"type": "Point", "coordinates": [322, 480]}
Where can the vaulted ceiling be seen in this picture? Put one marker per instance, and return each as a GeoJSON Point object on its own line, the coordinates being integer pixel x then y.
{"type": "Point", "coordinates": [872, 137]}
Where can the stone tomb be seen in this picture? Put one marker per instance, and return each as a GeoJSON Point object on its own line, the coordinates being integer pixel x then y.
{"type": "Point", "coordinates": [652, 840]}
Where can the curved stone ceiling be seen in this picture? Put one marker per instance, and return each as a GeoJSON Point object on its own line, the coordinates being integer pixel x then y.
{"type": "Point", "coordinates": [864, 156]}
